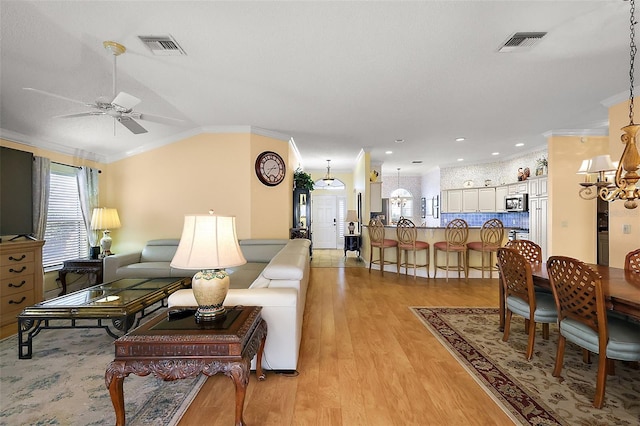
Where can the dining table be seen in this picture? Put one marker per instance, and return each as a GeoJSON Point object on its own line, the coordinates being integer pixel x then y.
{"type": "Point", "coordinates": [621, 289]}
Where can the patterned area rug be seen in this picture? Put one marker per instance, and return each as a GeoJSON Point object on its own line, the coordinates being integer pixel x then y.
{"type": "Point", "coordinates": [526, 390]}
{"type": "Point", "coordinates": [63, 384]}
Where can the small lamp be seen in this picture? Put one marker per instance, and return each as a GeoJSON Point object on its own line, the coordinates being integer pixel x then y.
{"type": "Point", "coordinates": [352, 216]}
{"type": "Point", "coordinates": [600, 165]}
{"type": "Point", "coordinates": [209, 243]}
{"type": "Point", "coordinates": [104, 219]}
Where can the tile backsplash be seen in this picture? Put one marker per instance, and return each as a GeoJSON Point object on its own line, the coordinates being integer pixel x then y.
{"type": "Point", "coordinates": [510, 220]}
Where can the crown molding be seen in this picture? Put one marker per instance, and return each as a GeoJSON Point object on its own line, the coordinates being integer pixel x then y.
{"type": "Point", "coordinates": [577, 132]}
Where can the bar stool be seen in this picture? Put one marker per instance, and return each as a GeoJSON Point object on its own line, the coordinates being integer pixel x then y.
{"type": "Point", "coordinates": [456, 235]}
{"type": "Point", "coordinates": [377, 240]}
{"type": "Point", "coordinates": [491, 236]}
{"type": "Point", "coordinates": [407, 241]}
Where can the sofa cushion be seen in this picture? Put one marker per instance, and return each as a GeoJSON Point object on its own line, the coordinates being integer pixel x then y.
{"type": "Point", "coordinates": [145, 270]}
{"type": "Point", "coordinates": [256, 250]}
{"type": "Point", "coordinates": [285, 266]}
{"type": "Point", "coordinates": [159, 250]}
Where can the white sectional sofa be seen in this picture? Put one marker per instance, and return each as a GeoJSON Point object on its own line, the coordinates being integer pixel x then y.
{"type": "Point", "coordinates": [276, 277]}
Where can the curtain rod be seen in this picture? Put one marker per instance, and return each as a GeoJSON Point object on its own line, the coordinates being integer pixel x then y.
{"type": "Point", "coordinates": [70, 165]}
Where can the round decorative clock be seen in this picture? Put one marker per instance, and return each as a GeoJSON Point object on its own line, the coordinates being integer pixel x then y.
{"type": "Point", "coordinates": [270, 168]}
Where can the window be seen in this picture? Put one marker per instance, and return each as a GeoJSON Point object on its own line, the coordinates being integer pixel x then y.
{"type": "Point", "coordinates": [401, 203]}
{"type": "Point", "coordinates": [66, 234]}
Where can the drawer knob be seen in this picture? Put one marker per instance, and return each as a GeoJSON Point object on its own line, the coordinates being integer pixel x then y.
{"type": "Point", "coordinates": [16, 271]}
{"type": "Point", "coordinates": [13, 302]}
{"type": "Point", "coordinates": [16, 259]}
{"type": "Point", "coordinates": [17, 285]}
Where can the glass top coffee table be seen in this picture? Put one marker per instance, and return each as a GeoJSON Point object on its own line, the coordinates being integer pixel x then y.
{"type": "Point", "coordinates": [115, 304]}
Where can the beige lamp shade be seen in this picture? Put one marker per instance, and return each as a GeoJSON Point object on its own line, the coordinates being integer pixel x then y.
{"type": "Point", "coordinates": [105, 218]}
{"type": "Point", "coordinates": [209, 243]}
{"type": "Point", "coordinates": [352, 216]}
{"type": "Point", "coordinates": [584, 167]}
{"type": "Point", "coordinates": [601, 163]}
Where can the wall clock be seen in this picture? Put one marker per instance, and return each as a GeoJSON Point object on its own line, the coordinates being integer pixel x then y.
{"type": "Point", "coordinates": [270, 168]}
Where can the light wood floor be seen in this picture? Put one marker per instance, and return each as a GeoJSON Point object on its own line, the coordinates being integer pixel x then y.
{"type": "Point", "coordinates": [365, 359]}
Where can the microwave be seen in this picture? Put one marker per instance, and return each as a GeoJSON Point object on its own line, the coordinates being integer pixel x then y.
{"type": "Point", "coordinates": [516, 203]}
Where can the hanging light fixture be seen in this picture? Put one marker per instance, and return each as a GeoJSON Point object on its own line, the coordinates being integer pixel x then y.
{"type": "Point", "coordinates": [328, 179]}
{"type": "Point", "coordinates": [398, 200]}
{"type": "Point", "coordinates": [623, 186]}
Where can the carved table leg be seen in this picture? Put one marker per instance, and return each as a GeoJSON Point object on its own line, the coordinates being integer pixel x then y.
{"type": "Point", "coordinates": [259, 371]}
{"type": "Point", "coordinates": [63, 281]}
{"type": "Point", "coordinates": [239, 373]}
{"type": "Point", "coordinates": [114, 382]}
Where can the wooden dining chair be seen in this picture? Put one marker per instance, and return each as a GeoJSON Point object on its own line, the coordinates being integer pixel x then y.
{"type": "Point", "coordinates": [521, 297]}
{"type": "Point", "coordinates": [530, 250]}
{"type": "Point", "coordinates": [456, 235]}
{"type": "Point", "coordinates": [377, 240]}
{"type": "Point", "coordinates": [491, 236]}
{"type": "Point", "coordinates": [583, 320]}
{"type": "Point", "coordinates": [407, 237]}
{"type": "Point", "coordinates": [632, 261]}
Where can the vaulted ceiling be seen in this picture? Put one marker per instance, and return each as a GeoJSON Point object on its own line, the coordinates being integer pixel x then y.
{"type": "Point", "coordinates": [335, 76]}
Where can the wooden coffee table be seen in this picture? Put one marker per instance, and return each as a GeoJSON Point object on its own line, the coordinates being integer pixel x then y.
{"type": "Point", "coordinates": [177, 347]}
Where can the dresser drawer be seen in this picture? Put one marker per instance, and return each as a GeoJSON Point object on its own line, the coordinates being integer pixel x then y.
{"type": "Point", "coordinates": [18, 284]}
{"type": "Point", "coordinates": [18, 269]}
{"type": "Point", "coordinates": [16, 257]}
{"type": "Point", "coordinates": [12, 305]}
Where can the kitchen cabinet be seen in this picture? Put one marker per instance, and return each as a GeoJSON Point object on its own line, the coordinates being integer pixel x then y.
{"type": "Point", "coordinates": [519, 188]}
{"type": "Point", "coordinates": [538, 210]}
{"type": "Point", "coordinates": [444, 202]}
{"type": "Point", "coordinates": [476, 200]}
{"type": "Point", "coordinates": [375, 196]}
{"type": "Point", "coordinates": [501, 192]}
{"type": "Point", "coordinates": [538, 187]}
{"type": "Point", "coordinates": [454, 201]}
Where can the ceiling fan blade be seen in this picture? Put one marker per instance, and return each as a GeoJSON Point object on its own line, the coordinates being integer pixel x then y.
{"type": "Point", "coordinates": [160, 119]}
{"type": "Point", "coordinates": [64, 98]}
{"type": "Point", "coordinates": [81, 114]}
{"type": "Point", "coordinates": [125, 101]}
{"type": "Point", "coordinates": [132, 125]}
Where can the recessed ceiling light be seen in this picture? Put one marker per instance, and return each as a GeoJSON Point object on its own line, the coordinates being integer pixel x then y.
{"type": "Point", "coordinates": [519, 144]}
{"type": "Point", "coordinates": [460, 159]}
{"type": "Point", "coordinates": [460, 139]}
{"type": "Point", "coordinates": [495, 153]}
{"type": "Point", "coordinates": [388, 152]}
{"type": "Point", "coordinates": [399, 140]}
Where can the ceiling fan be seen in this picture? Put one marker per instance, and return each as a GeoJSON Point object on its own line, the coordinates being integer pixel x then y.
{"type": "Point", "coordinates": [119, 106]}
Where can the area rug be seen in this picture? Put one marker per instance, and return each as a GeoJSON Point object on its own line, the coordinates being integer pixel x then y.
{"type": "Point", "coordinates": [63, 384]}
{"type": "Point", "coordinates": [526, 390]}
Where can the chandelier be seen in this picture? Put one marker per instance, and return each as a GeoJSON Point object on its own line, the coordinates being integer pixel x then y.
{"type": "Point", "coordinates": [398, 200]}
{"type": "Point", "coordinates": [623, 184]}
{"type": "Point", "coordinates": [328, 179]}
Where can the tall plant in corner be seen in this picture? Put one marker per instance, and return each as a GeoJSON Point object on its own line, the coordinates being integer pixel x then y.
{"type": "Point", "coordinates": [302, 180]}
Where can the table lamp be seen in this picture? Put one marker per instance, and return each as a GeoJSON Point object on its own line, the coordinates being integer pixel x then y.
{"type": "Point", "coordinates": [352, 216]}
{"type": "Point", "coordinates": [104, 219]}
{"type": "Point", "coordinates": [209, 243]}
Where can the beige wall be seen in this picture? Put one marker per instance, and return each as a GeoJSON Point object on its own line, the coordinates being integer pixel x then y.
{"type": "Point", "coordinates": [154, 190]}
{"type": "Point", "coordinates": [619, 243]}
{"type": "Point", "coordinates": [571, 219]}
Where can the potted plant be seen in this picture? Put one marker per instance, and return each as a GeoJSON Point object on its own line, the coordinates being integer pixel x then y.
{"type": "Point", "coordinates": [302, 180]}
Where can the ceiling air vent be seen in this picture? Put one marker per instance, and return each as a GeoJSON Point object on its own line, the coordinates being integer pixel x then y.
{"type": "Point", "coordinates": [162, 45]}
{"type": "Point", "coordinates": [521, 42]}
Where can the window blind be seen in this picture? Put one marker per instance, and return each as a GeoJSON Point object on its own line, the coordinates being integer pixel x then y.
{"type": "Point", "coordinates": [65, 235]}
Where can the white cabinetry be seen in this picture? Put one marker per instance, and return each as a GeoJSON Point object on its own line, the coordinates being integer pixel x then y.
{"type": "Point", "coordinates": [375, 196]}
{"type": "Point", "coordinates": [501, 192]}
{"type": "Point", "coordinates": [479, 200]}
{"type": "Point", "coordinates": [538, 210]}
{"type": "Point", "coordinates": [518, 188]}
{"type": "Point", "coordinates": [454, 201]}
{"type": "Point", "coordinates": [444, 202]}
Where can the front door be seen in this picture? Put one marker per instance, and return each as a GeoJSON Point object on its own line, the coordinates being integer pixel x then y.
{"type": "Point", "coordinates": [324, 225]}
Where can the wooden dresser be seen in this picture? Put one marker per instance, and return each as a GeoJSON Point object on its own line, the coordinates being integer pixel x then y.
{"type": "Point", "coordinates": [22, 278]}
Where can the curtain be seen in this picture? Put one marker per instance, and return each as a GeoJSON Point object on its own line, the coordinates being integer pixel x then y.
{"type": "Point", "coordinates": [87, 179]}
{"type": "Point", "coordinates": [41, 178]}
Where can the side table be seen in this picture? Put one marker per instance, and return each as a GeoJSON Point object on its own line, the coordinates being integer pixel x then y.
{"type": "Point", "coordinates": [93, 267]}
{"type": "Point", "coordinates": [352, 243]}
{"type": "Point", "coordinates": [174, 347]}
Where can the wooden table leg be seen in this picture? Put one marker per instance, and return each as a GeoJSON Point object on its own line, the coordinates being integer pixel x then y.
{"type": "Point", "coordinates": [501, 303]}
{"type": "Point", "coordinates": [259, 371]}
{"type": "Point", "coordinates": [62, 275]}
{"type": "Point", "coordinates": [239, 373]}
{"type": "Point", "coordinates": [115, 384]}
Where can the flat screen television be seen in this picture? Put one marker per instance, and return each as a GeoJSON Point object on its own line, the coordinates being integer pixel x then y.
{"type": "Point", "coordinates": [16, 205]}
